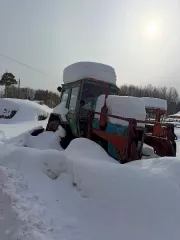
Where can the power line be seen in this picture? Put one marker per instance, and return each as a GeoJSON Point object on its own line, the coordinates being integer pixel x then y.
{"type": "Point", "coordinates": [24, 64]}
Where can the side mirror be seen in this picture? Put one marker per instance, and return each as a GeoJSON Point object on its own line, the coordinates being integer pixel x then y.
{"type": "Point", "coordinates": [59, 89]}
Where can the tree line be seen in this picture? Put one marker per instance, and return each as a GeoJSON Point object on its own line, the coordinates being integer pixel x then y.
{"type": "Point", "coordinates": [52, 98]}
{"type": "Point", "coordinates": [47, 97]}
{"type": "Point", "coordinates": [11, 90]}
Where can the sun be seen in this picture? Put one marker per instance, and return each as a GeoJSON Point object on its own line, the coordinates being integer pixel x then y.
{"type": "Point", "coordinates": [152, 29]}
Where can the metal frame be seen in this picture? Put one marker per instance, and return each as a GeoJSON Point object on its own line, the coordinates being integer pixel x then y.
{"type": "Point", "coordinates": [126, 146]}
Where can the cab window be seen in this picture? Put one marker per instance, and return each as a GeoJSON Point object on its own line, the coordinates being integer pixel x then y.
{"type": "Point", "coordinates": [91, 92]}
{"type": "Point", "coordinates": [64, 97]}
{"type": "Point", "coordinates": [74, 97]}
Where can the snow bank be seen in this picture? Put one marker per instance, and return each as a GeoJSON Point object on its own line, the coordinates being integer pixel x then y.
{"type": "Point", "coordinates": [155, 103]}
{"type": "Point", "coordinates": [26, 217]}
{"type": "Point", "coordinates": [98, 153]}
{"type": "Point", "coordinates": [94, 70]}
{"type": "Point", "coordinates": [139, 200]}
{"type": "Point", "coordinates": [123, 106]}
{"type": "Point", "coordinates": [148, 152]}
{"type": "Point", "coordinates": [9, 131]}
{"type": "Point", "coordinates": [7, 107]}
{"type": "Point", "coordinates": [26, 110]}
{"type": "Point", "coordinates": [45, 140]}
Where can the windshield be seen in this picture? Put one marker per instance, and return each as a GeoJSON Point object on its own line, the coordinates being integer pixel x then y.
{"type": "Point", "coordinates": [92, 91]}
{"type": "Point", "coordinates": [151, 114]}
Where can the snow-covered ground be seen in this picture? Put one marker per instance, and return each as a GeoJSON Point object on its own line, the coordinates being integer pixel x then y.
{"type": "Point", "coordinates": [81, 193]}
{"type": "Point", "coordinates": [11, 130]}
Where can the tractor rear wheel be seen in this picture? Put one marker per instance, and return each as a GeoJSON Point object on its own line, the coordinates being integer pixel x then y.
{"type": "Point", "coordinates": [53, 126]}
{"type": "Point", "coordinates": [65, 141]}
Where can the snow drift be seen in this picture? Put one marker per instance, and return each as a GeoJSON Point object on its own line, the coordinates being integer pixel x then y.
{"type": "Point", "coordinates": [61, 110]}
{"type": "Point", "coordinates": [25, 110]}
{"type": "Point", "coordinates": [81, 193]}
{"type": "Point", "coordinates": [45, 140]}
{"type": "Point", "coordinates": [155, 103]}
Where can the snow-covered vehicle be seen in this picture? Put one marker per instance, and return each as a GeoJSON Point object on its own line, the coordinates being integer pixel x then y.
{"type": "Point", "coordinates": [159, 134]}
{"type": "Point", "coordinates": [91, 108]}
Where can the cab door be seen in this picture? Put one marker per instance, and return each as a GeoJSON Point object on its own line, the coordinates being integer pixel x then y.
{"type": "Point", "coordinates": [72, 105]}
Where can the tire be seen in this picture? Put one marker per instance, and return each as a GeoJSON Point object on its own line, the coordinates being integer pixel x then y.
{"type": "Point", "coordinates": [53, 126]}
{"type": "Point", "coordinates": [54, 123]}
{"type": "Point", "coordinates": [65, 141]}
{"type": "Point", "coordinates": [36, 132]}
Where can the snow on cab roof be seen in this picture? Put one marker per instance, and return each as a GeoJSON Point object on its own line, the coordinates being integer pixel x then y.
{"type": "Point", "coordinates": [155, 103]}
{"type": "Point", "coordinates": [98, 71]}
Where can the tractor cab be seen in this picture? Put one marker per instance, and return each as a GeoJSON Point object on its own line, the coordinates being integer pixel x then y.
{"type": "Point", "coordinates": [80, 99]}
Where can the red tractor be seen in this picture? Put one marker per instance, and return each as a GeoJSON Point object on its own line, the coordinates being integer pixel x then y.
{"type": "Point", "coordinates": [159, 135]}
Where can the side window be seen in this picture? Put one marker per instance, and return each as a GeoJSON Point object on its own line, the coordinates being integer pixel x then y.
{"type": "Point", "coordinates": [64, 97]}
{"type": "Point", "coordinates": [113, 91]}
{"type": "Point", "coordinates": [73, 100]}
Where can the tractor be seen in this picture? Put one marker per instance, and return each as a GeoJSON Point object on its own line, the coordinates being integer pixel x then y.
{"type": "Point", "coordinates": [122, 137]}
{"type": "Point", "coordinates": [159, 134]}
{"type": "Point", "coordinates": [123, 143]}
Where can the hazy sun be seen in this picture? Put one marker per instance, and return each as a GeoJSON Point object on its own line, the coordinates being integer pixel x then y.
{"type": "Point", "coordinates": [152, 29]}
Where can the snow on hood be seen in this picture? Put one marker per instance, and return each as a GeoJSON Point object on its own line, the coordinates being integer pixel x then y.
{"type": "Point", "coordinates": [123, 106]}
{"type": "Point", "coordinates": [26, 110]}
{"type": "Point", "coordinates": [155, 103]}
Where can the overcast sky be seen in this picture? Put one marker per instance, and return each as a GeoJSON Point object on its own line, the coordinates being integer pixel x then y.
{"type": "Point", "coordinates": [139, 38]}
